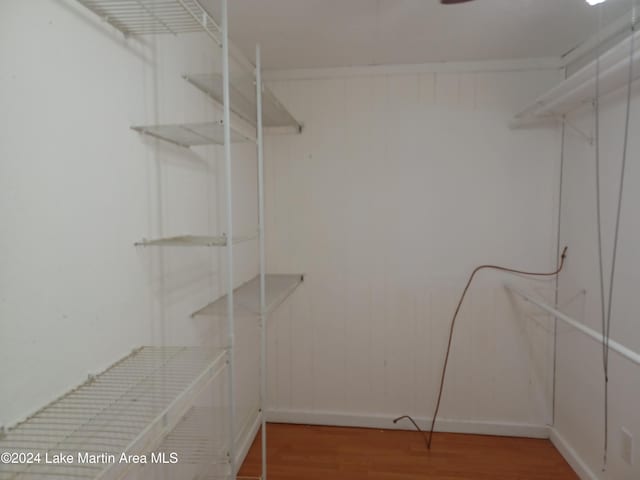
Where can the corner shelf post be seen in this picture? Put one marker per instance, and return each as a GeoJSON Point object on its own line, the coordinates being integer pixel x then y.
{"type": "Point", "coordinates": [263, 302]}
{"type": "Point", "coordinates": [227, 162]}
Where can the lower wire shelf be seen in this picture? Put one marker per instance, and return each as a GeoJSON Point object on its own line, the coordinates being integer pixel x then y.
{"type": "Point", "coordinates": [191, 449]}
{"type": "Point", "coordinates": [124, 411]}
{"type": "Point", "coordinates": [193, 241]}
{"type": "Point", "coordinates": [192, 134]}
{"type": "Point", "coordinates": [193, 452]}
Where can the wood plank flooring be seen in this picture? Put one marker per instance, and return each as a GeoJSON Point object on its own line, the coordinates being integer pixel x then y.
{"type": "Point", "coordinates": [341, 453]}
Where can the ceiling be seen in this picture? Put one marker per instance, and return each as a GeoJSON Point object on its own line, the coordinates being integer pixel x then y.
{"type": "Point", "coordinates": [338, 33]}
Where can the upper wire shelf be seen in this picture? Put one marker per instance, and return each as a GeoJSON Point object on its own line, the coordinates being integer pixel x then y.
{"type": "Point", "coordinates": [153, 17]}
{"type": "Point", "coordinates": [611, 70]}
{"type": "Point", "coordinates": [243, 99]}
{"type": "Point", "coordinates": [193, 241]}
{"type": "Point", "coordinates": [127, 409]}
{"type": "Point", "coordinates": [246, 297]}
{"type": "Point", "coordinates": [193, 134]}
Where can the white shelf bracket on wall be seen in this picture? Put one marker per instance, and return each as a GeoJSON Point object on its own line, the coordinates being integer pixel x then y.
{"type": "Point", "coordinates": [550, 120]}
{"type": "Point", "coordinates": [587, 137]}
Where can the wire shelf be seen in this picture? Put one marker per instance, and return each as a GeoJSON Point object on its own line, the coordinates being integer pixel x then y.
{"type": "Point", "coordinates": [152, 17]}
{"type": "Point", "coordinates": [193, 442]}
{"type": "Point", "coordinates": [193, 134]}
{"type": "Point", "coordinates": [199, 453]}
{"type": "Point", "coordinates": [192, 241]}
{"type": "Point", "coordinates": [247, 296]}
{"type": "Point", "coordinates": [612, 71]}
{"type": "Point", "coordinates": [127, 408]}
{"type": "Point", "coordinates": [243, 99]}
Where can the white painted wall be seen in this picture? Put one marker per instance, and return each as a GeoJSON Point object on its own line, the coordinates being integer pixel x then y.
{"type": "Point", "coordinates": [78, 188]}
{"type": "Point", "coordinates": [580, 390]}
{"type": "Point", "coordinates": [399, 186]}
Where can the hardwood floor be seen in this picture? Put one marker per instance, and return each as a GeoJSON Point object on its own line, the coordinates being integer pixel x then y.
{"type": "Point", "coordinates": [340, 453]}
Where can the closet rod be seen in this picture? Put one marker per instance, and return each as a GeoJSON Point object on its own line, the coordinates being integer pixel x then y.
{"type": "Point", "coordinates": [594, 335]}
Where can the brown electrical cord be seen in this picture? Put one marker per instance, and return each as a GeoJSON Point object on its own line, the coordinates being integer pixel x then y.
{"type": "Point", "coordinates": [453, 323]}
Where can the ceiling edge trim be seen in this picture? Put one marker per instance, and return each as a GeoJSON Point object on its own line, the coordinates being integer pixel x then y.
{"type": "Point", "coordinates": [547, 63]}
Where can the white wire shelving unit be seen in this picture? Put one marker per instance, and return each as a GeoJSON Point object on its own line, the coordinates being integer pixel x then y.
{"type": "Point", "coordinates": [193, 241]}
{"type": "Point", "coordinates": [189, 135]}
{"type": "Point", "coordinates": [153, 17]}
{"type": "Point", "coordinates": [612, 70]}
{"type": "Point", "coordinates": [247, 296]}
{"type": "Point", "coordinates": [244, 100]}
{"type": "Point", "coordinates": [146, 402]}
{"type": "Point", "coordinates": [129, 408]}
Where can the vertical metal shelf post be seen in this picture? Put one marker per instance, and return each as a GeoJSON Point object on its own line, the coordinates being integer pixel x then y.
{"type": "Point", "coordinates": [263, 306]}
{"type": "Point", "coordinates": [227, 163]}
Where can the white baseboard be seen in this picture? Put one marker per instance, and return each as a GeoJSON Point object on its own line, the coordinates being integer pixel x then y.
{"type": "Point", "coordinates": [571, 456]}
{"type": "Point", "coordinates": [444, 425]}
{"type": "Point", "coordinates": [386, 422]}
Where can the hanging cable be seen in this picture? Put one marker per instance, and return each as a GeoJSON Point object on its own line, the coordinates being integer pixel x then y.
{"type": "Point", "coordinates": [429, 438]}
{"type": "Point", "coordinates": [603, 307]}
{"type": "Point", "coordinates": [606, 306]}
{"type": "Point", "coordinates": [621, 181]}
{"type": "Point", "coordinates": [556, 293]}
